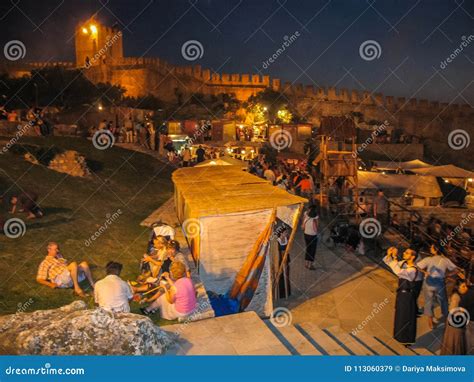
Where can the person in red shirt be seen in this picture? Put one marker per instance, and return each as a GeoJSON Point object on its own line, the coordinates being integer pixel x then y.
{"type": "Point", "coordinates": [306, 186]}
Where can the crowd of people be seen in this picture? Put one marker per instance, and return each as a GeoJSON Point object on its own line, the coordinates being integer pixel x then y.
{"type": "Point", "coordinates": [36, 117]}
{"type": "Point", "coordinates": [295, 178]}
{"type": "Point", "coordinates": [415, 274]}
{"type": "Point", "coordinates": [148, 135]}
{"type": "Point", "coordinates": [143, 133]}
{"type": "Point", "coordinates": [429, 274]}
{"type": "Point", "coordinates": [164, 283]}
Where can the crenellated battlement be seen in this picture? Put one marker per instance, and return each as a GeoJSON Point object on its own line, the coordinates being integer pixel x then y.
{"type": "Point", "coordinates": [355, 97]}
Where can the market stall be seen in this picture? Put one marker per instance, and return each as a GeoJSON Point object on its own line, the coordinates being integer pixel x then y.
{"type": "Point", "coordinates": [228, 217]}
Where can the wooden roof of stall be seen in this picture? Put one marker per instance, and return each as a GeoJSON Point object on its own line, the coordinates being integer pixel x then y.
{"type": "Point", "coordinates": [215, 190]}
{"type": "Point", "coordinates": [339, 128]}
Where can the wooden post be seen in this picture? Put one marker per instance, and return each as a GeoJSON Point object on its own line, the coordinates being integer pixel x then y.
{"type": "Point", "coordinates": [355, 194]}
{"type": "Point", "coordinates": [287, 250]}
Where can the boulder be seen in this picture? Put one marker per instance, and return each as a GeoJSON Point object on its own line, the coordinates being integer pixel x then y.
{"type": "Point", "coordinates": [74, 329]}
{"type": "Point", "coordinates": [70, 162]}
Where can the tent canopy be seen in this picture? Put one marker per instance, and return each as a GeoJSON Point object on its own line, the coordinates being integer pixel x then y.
{"type": "Point", "coordinates": [217, 190]}
{"type": "Point", "coordinates": [243, 144]}
{"type": "Point", "coordinates": [339, 128]}
{"type": "Point", "coordinates": [393, 165]}
{"type": "Point", "coordinates": [448, 171]}
{"type": "Point", "coordinates": [425, 186]}
{"type": "Point", "coordinates": [223, 161]}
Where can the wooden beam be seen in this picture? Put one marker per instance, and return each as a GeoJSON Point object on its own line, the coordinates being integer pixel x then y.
{"type": "Point", "coordinates": [288, 247]}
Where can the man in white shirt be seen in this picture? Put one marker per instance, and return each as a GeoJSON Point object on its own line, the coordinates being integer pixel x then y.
{"type": "Point", "coordinates": [436, 268]}
{"type": "Point", "coordinates": [269, 175]}
{"type": "Point", "coordinates": [112, 293]}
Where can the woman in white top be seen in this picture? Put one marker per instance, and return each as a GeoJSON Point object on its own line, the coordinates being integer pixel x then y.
{"type": "Point", "coordinates": [310, 229]}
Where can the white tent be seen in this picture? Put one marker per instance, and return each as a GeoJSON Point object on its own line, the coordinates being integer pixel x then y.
{"type": "Point", "coordinates": [228, 218]}
{"type": "Point", "coordinates": [394, 165]}
{"type": "Point", "coordinates": [447, 171]}
{"type": "Point", "coordinates": [223, 161]}
{"type": "Point", "coordinates": [423, 186]}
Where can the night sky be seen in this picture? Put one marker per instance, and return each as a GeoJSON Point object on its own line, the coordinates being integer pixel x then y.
{"type": "Point", "coordinates": [238, 36]}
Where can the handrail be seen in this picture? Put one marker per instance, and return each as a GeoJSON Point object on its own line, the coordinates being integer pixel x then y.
{"type": "Point", "coordinates": [455, 252]}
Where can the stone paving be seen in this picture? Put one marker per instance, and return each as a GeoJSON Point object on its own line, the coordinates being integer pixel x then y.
{"type": "Point", "coordinates": [347, 290]}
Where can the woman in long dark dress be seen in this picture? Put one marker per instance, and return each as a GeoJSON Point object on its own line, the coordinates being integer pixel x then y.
{"type": "Point", "coordinates": [406, 309]}
{"type": "Point", "coordinates": [454, 339]}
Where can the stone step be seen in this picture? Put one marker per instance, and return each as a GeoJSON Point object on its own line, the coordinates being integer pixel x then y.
{"type": "Point", "coordinates": [293, 340]}
{"type": "Point", "coordinates": [395, 346]}
{"type": "Point", "coordinates": [236, 334]}
{"type": "Point", "coordinates": [348, 341]}
{"type": "Point", "coordinates": [421, 351]}
{"type": "Point", "coordinates": [373, 344]}
{"type": "Point", "coordinates": [321, 340]}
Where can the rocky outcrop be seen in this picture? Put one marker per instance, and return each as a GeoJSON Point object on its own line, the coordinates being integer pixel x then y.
{"type": "Point", "coordinates": [74, 329]}
{"type": "Point", "coordinates": [70, 162]}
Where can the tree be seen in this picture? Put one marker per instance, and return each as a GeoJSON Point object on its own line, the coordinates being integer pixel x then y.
{"type": "Point", "coordinates": [284, 115]}
{"type": "Point", "coordinates": [56, 87]}
{"type": "Point", "coordinates": [200, 106]}
{"type": "Point", "coordinates": [270, 153]}
{"type": "Point", "coordinates": [269, 106]}
{"type": "Point", "coordinates": [149, 102]}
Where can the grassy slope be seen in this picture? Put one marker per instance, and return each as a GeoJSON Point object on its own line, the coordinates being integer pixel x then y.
{"type": "Point", "coordinates": [75, 208]}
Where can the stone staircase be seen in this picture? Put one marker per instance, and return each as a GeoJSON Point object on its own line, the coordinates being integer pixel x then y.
{"type": "Point", "coordinates": [309, 339]}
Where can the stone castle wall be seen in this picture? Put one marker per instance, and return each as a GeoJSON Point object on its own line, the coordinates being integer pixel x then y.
{"type": "Point", "coordinates": [141, 76]}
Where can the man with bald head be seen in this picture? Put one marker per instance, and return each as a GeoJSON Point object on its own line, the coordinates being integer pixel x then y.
{"type": "Point", "coordinates": [55, 272]}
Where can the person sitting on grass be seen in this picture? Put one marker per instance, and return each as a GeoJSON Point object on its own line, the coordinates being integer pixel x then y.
{"type": "Point", "coordinates": [55, 272]}
{"type": "Point", "coordinates": [112, 293]}
{"type": "Point", "coordinates": [176, 298]}
{"type": "Point", "coordinates": [28, 203]}
{"type": "Point", "coordinates": [152, 282]}
{"type": "Point", "coordinates": [151, 263]}
{"type": "Point", "coordinates": [174, 254]}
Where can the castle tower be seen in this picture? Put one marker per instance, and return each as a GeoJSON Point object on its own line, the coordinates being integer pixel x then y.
{"type": "Point", "coordinates": [96, 43]}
